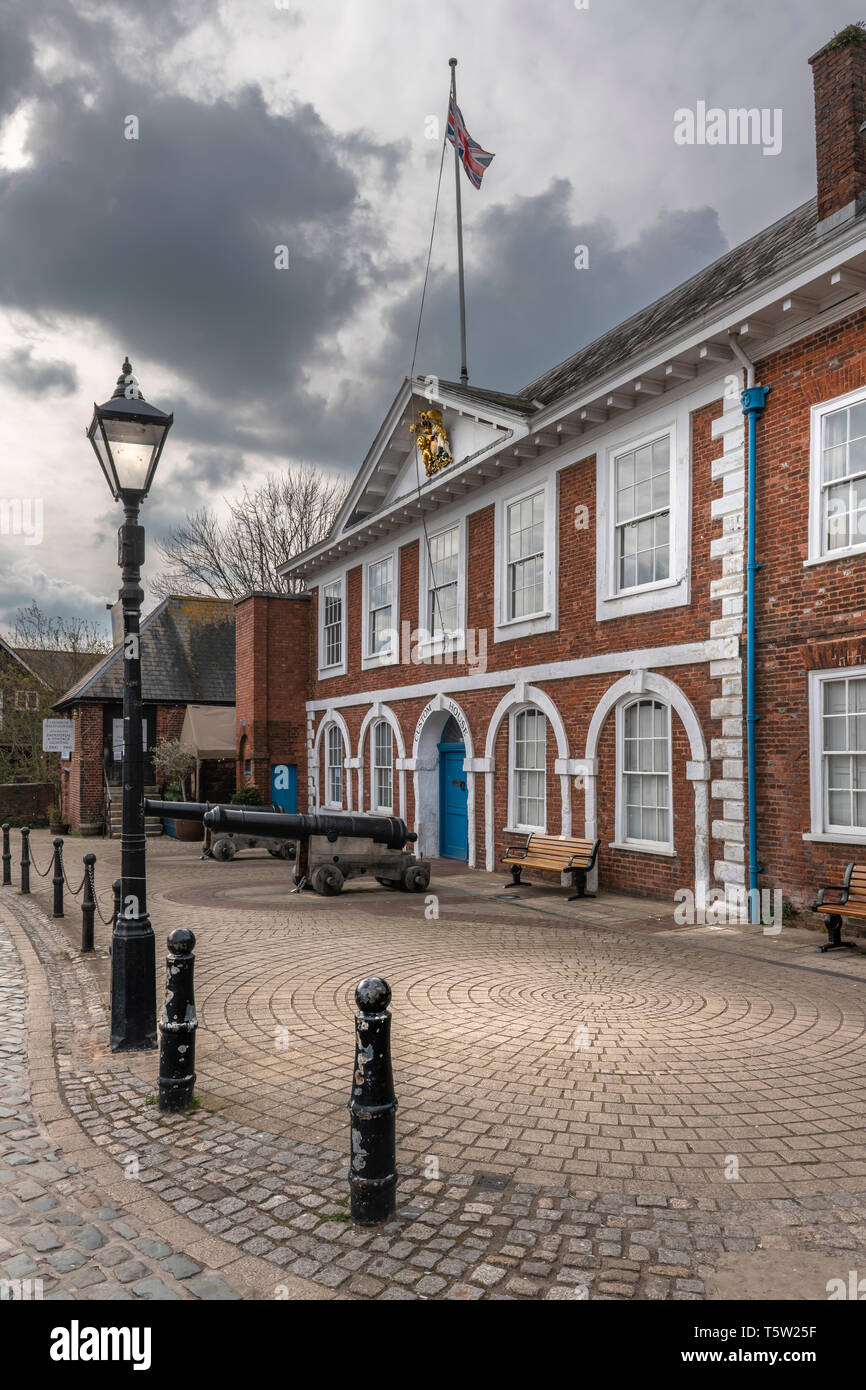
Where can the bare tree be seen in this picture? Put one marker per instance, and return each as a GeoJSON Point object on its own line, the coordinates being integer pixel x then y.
{"type": "Point", "coordinates": [36, 631]}
{"type": "Point", "coordinates": [265, 527]}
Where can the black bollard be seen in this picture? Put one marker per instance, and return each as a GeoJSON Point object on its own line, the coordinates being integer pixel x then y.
{"type": "Point", "coordinates": [25, 859]}
{"type": "Point", "coordinates": [373, 1158]}
{"type": "Point", "coordinates": [57, 879]}
{"type": "Point", "coordinates": [116, 886]}
{"type": "Point", "coordinates": [88, 904]}
{"type": "Point", "coordinates": [178, 1024]}
{"type": "Point", "coordinates": [7, 855]}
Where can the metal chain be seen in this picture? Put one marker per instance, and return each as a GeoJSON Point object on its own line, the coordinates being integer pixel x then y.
{"type": "Point", "coordinates": [107, 921]}
{"type": "Point", "coordinates": [73, 891]}
{"type": "Point", "coordinates": [40, 872]}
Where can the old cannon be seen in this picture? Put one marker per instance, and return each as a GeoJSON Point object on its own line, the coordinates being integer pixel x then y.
{"type": "Point", "coordinates": [330, 848]}
{"type": "Point", "coordinates": [222, 845]}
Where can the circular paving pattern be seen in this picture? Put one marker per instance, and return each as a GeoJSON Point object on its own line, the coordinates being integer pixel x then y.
{"type": "Point", "coordinates": [554, 1053]}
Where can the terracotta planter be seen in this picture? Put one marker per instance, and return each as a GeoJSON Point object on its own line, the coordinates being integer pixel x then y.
{"type": "Point", "coordinates": [189, 829]}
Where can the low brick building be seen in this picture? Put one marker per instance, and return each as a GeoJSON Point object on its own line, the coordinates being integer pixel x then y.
{"type": "Point", "coordinates": [187, 658]}
{"type": "Point", "coordinates": [546, 628]}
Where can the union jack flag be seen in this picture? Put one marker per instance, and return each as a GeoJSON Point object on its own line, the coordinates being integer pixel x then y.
{"type": "Point", "coordinates": [474, 159]}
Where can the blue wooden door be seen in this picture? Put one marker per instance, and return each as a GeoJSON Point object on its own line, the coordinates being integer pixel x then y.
{"type": "Point", "coordinates": [453, 820]}
{"type": "Point", "coordinates": [284, 786]}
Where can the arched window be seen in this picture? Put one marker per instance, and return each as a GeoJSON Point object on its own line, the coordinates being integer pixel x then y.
{"type": "Point", "coordinates": [382, 767]}
{"type": "Point", "coordinates": [528, 779]}
{"type": "Point", "coordinates": [644, 774]}
{"type": "Point", "coordinates": [333, 765]}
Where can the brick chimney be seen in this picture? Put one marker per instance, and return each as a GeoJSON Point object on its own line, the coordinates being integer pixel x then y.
{"type": "Point", "coordinates": [839, 77]}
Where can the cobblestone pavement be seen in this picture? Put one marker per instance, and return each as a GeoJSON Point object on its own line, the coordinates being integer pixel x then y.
{"type": "Point", "coordinates": [58, 1237]}
{"type": "Point", "coordinates": [592, 1101]}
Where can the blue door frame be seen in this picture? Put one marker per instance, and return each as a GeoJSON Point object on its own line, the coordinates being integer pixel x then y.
{"type": "Point", "coordinates": [453, 816]}
{"type": "Point", "coordinates": [284, 786]}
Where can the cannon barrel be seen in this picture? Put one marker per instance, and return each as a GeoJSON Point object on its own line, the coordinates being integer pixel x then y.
{"type": "Point", "coordinates": [383, 830]}
{"type": "Point", "coordinates": [178, 810]}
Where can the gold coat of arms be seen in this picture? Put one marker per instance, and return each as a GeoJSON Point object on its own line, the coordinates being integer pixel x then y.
{"type": "Point", "coordinates": [432, 441]}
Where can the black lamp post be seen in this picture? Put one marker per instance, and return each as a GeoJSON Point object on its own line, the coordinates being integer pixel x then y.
{"type": "Point", "coordinates": [127, 435]}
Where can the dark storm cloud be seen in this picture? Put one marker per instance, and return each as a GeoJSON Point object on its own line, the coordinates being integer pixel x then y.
{"type": "Point", "coordinates": [16, 63]}
{"type": "Point", "coordinates": [33, 377]}
{"type": "Point", "coordinates": [168, 241]}
{"type": "Point", "coordinates": [166, 244]}
{"type": "Point", "coordinates": [529, 307]}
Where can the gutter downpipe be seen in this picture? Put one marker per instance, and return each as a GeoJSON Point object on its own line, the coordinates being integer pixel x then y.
{"type": "Point", "coordinates": [752, 399]}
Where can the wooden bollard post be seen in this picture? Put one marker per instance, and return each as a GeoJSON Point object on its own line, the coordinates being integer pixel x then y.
{"type": "Point", "coordinates": [373, 1106]}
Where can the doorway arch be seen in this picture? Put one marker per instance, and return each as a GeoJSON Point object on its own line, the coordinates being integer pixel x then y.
{"type": "Point", "coordinates": [426, 773]}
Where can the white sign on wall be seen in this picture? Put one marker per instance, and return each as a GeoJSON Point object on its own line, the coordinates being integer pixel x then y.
{"type": "Point", "coordinates": [117, 738]}
{"type": "Point", "coordinates": [58, 735]}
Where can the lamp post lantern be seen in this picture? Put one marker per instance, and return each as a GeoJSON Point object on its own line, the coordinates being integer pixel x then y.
{"type": "Point", "coordinates": [127, 434]}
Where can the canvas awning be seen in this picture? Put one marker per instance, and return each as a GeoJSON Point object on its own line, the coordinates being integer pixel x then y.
{"type": "Point", "coordinates": [210, 730]}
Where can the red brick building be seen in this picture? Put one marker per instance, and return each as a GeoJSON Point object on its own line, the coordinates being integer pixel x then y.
{"type": "Point", "coordinates": [549, 630]}
{"type": "Point", "coordinates": [187, 658]}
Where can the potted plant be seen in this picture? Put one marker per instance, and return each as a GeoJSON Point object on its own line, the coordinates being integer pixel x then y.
{"type": "Point", "coordinates": [174, 761]}
{"type": "Point", "coordinates": [56, 824]}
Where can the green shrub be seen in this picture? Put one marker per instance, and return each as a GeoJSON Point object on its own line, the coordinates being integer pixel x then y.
{"type": "Point", "coordinates": [247, 796]}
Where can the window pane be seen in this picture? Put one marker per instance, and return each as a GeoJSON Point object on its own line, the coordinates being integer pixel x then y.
{"type": "Point", "coordinates": [835, 428]}
{"type": "Point", "coordinates": [645, 763]}
{"type": "Point", "coordinates": [834, 696]}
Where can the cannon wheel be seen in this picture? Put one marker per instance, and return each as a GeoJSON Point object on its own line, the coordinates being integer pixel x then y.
{"type": "Point", "coordinates": [416, 878]}
{"type": "Point", "coordinates": [286, 851]}
{"type": "Point", "coordinates": [327, 880]}
{"type": "Point", "coordinates": [390, 882]}
{"type": "Point", "coordinates": [223, 849]}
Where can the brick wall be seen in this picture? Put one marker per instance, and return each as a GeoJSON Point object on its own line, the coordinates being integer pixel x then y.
{"type": "Point", "coordinates": [22, 802]}
{"type": "Point", "coordinates": [273, 664]}
{"type": "Point", "coordinates": [807, 617]}
{"type": "Point", "coordinates": [81, 777]}
{"type": "Point", "coordinates": [839, 77]}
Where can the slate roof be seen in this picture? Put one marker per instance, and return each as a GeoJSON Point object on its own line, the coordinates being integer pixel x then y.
{"type": "Point", "coordinates": [745, 266]}
{"type": "Point", "coordinates": [481, 396]}
{"type": "Point", "coordinates": [187, 657]}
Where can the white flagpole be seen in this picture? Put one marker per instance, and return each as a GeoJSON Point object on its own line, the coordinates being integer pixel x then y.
{"type": "Point", "coordinates": [464, 371]}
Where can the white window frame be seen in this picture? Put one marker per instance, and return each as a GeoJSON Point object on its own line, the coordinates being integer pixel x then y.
{"type": "Point", "coordinates": [375, 804]}
{"type": "Point", "coordinates": [513, 801]}
{"type": "Point", "coordinates": [340, 667]}
{"type": "Point", "coordinates": [673, 592]}
{"type": "Point", "coordinates": [816, 757]}
{"type": "Point", "coordinates": [623, 840]}
{"type": "Point", "coordinates": [621, 527]}
{"type": "Point", "coordinates": [329, 766]}
{"type": "Point", "coordinates": [505, 628]}
{"type": "Point", "coordinates": [817, 554]}
{"type": "Point", "coordinates": [369, 660]}
{"type": "Point", "coordinates": [437, 646]}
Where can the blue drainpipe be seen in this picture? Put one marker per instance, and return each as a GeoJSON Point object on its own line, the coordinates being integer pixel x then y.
{"type": "Point", "coordinates": [753, 400]}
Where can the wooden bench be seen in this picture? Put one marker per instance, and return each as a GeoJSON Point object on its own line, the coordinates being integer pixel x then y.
{"type": "Point", "coordinates": [560, 853]}
{"type": "Point", "coordinates": [847, 900]}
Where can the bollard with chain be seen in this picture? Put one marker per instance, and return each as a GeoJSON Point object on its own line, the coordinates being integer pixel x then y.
{"type": "Point", "coordinates": [88, 904]}
{"type": "Point", "coordinates": [57, 879]}
{"type": "Point", "coordinates": [25, 859]}
{"type": "Point", "coordinates": [115, 888]}
{"type": "Point", "coordinates": [373, 1158]}
{"type": "Point", "coordinates": [178, 1024]}
{"type": "Point", "coordinates": [7, 855]}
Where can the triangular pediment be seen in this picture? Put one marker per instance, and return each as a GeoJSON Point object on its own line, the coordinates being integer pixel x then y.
{"type": "Point", "coordinates": [472, 421]}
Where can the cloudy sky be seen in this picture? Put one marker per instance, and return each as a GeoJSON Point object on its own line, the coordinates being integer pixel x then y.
{"type": "Point", "coordinates": [264, 123]}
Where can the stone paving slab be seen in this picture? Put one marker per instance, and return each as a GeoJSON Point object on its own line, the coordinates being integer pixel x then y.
{"type": "Point", "coordinates": [608, 1072]}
